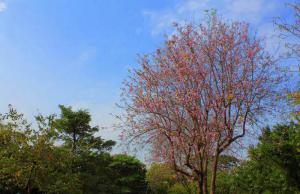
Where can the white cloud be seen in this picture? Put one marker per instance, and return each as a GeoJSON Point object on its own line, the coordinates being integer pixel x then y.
{"type": "Point", "coordinates": [253, 11]}
{"type": "Point", "coordinates": [259, 13]}
{"type": "Point", "coordinates": [159, 21]}
{"type": "Point", "coordinates": [3, 6]}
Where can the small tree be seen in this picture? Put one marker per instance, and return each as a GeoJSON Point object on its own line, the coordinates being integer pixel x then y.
{"type": "Point", "coordinates": [198, 94]}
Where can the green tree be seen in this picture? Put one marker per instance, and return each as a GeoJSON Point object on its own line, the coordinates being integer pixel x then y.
{"type": "Point", "coordinates": [179, 188]}
{"type": "Point", "coordinates": [95, 173]}
{"type": "Point", "coordinates": [128, 175]}
{"type": "Point", "coordinates": [37, 160]}
{"type": "Point", "coordinates": [160, 178]}
{"type": "Point", "coordinates": [273, 165]}
{"type": "Point", "coordinates": [29, 160]}
{"type": "Point", "coordinates": [259, 177]}
{"type": "Point", "coordinates": [281, 146]}
{"type": "Point", "coordinates": [77, 131]}
{"type": "Point", "coordinates": [91, 158]}
{"type": "Point", "coordinates": [226, 170]}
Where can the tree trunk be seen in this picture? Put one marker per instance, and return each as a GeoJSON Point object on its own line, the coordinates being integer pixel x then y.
{"type": "Point", "coordinates": [202, 176]}
{"type": "Point", "coordinates": [205, 190]}
{"type": "Point", "coordinates": [214, 174]}
{"type": "Point", "coordinates": [202, 184]}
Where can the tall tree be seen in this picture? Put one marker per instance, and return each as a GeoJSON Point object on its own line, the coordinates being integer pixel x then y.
{"type": "Point", "coordinates": [74, 124]}
{"type": "Point", "coordinates": [91, 158]}
{"type": "Point", "coordinates": [273, 165]}
{"type": "Point", "coordinates": [75, 127]}
{"type": "Point", "coordinates": [281, 147]}
{"type": "Point", "coordinates": [198, 94]}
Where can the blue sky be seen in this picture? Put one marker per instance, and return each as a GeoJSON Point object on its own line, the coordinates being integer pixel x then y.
{"type": "Point", "coordinates": [78, 52]}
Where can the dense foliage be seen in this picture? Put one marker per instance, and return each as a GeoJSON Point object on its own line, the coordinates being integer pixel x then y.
{"type": "Point", "coordinates": [63, 156]}
{"type": "Point", "coordinates": [273, 165]}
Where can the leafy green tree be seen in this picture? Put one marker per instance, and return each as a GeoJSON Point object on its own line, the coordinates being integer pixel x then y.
{"type": "Point", "coordinates": [128, 175]}
{"type": "Point", "coordinates": [281, 146]}
{"type": "Point", "coordinates": [95, 173]}
{"type": "Point", "coordinates": [273, 165]}
{"type": "Point", "coordinates": [29, 160]}
{"type": "Point", "coordinates": [91, 161]}
{"type": "Point", "coordinates": [54, 163]}
{"type": "Point", "coordinates": [179, 188]}
{"type": "Point", "coordinates": [259, 177]}
{"type": "Point", "coordinates": [160, 178]}
{"type": "Point", "coordinates": [44, 159]}
{"type": "Point", "coordinates": [13, 174]}
{"type": "Point", "coordinates": [226, 170]}
{"type": "Point", "coordinates": [77, 131]}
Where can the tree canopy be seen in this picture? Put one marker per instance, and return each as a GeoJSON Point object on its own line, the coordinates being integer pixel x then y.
{"type": "Point", "coordinates": [47, 159]}
{"type": "Point", "coordinates": [198, 94]}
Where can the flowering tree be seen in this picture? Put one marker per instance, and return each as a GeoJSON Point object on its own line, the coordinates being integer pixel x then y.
{"type": "Point", "coordinates": [198, 94]}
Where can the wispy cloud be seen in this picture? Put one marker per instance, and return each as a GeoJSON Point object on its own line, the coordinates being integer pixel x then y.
{"type": "Point", "coordinates": [162, 20]}
{"type": "Point", "coordinates": [252, 11]}
{"type": "Point", "coordinates": [3, 6]}
{"type": "Point", "coordinates": [259, 13]}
